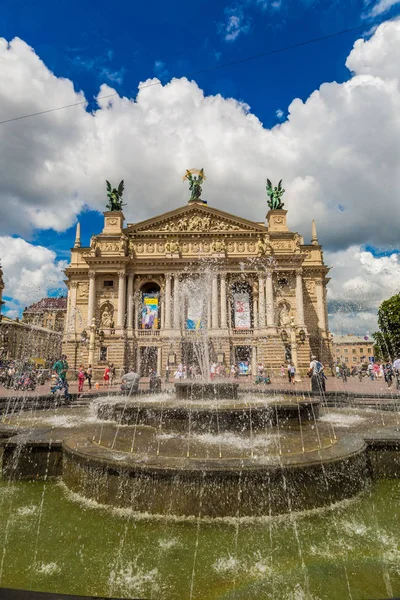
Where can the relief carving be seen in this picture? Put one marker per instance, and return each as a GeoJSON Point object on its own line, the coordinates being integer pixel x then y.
{"type": "Point", "coordinates": [112, 221]}
{"type": "Point", "coordinates": [197, 223]}
{"type": "Point", "coordinates": [83, 291]}
{"type": "Point", "coordinates": [150, 248]}
{"type": "Point", "coordinates": [172, 247]}
{"type": "Point", "coordinates": [218, 246]}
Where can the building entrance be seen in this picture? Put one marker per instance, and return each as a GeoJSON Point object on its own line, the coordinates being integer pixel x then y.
{"type": "Point", "coordinates": [243, 359]}
{"type": "Point", "coordinates": [148, 361]}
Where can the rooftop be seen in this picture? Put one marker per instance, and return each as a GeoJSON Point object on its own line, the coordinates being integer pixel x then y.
{"type": "Point", "coordinates": [352, 339]}
{"type": "Point", "coordinates": [47, 304]}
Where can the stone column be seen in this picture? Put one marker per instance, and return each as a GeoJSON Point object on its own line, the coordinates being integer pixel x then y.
{"type": "Point", "coordinates": [159, 361]}
{"type": "Point", "coordinates": [121, 299]}
{"type": "Point", "coordinates": [269, 296]}
{"type": "Point", "coordinates": [214, 301]}
{"type": "Point", "coordinates": [167, 310]}
{"type": "Point", "coordinates": [299, 297]}
{"type": "Point", "coordinates": [261, 303]}
{"type": "Point", "coordinates": [224, 323]}
{"type": "Point", "coordinates": [255, 312]}
{"type": "Point", "coordinates": [130, 300]}
{"type": "Point", "coordinates": [253, 361]}
{"type": "Point", "coordinates": [319, 290]}
{"type": "Point", "coordinates": [92, 336]}
{"type": "Point", "coordinates": [177, 308]}
{"type": "Point", "coordinates": [92, 297]}
{"type": "Point", "coordinates": [71, 323]}
{"type": "Point", "coordinates": [136, 305]}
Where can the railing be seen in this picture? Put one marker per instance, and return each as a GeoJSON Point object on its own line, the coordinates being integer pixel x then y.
{"type": "Point", "coordinates": [147, 332]}
{"type": "Point", "coordinates": [242, 332]}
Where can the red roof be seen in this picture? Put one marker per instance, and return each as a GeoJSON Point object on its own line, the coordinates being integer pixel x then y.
{"type": "Point", "coordinates": [48, 304]}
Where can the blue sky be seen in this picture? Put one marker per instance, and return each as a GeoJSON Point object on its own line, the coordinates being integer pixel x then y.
{"type": "Point", "coordinates": [123, 43]}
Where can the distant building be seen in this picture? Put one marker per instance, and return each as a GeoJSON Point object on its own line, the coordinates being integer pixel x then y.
{"type": "Point", "coordinates": [49, 313]}
{"type": "Point", "coordinates": [352, 349]}
{"type": "Point", "coordinates": [38, 336]}
{"type": "Point", "coordinates": [22, 341]}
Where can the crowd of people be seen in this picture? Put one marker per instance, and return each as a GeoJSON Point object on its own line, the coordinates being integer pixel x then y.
{"type": "Point", "coordinates": [386, 371]}
{"type": "Point", "coordinates": [21, 376]}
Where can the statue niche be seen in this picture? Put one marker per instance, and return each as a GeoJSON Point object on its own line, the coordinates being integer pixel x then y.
{"type": "Point", "coordinates": [284, 315]}
{"type": "Point", "coordinates": [107, 316]}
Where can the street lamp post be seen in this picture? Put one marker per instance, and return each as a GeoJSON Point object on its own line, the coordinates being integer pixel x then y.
{"type": "Point", "coordinates": [93, 330]}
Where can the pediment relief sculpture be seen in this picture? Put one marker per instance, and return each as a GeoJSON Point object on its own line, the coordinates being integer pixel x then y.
{"type": "Point", "coordinates": [196, 223]}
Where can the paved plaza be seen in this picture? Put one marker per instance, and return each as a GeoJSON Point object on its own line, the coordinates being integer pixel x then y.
{"type": "Point", "coordinates": [333, 384]}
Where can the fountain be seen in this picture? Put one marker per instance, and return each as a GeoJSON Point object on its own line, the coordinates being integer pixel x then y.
{"type": "Point", "coordinates": [200, 492]}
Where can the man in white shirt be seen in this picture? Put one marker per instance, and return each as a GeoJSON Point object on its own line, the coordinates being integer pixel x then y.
{"type": "Point", "coordinates": [317, 375]}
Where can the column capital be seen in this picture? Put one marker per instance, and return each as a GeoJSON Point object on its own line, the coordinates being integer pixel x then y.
{"type": "Point", "coordinates": [318, 282]}
{"type": "Point", "coordinates": [131, 275]}
{"type": "Point", "coordinates": [121, 274]}
{"type": "Point", "coordinates": [168, 276]}
{"type": "Point", "coordinates": [92, 274]}
{"type": "Point", "coordinates": [73, 284]}
{"type": "Point", "coordinates": [269, 273]}
{"type": "Point", "coordinates": [299, 272]}
{"type": "Point", "coordinates": [223, 275]}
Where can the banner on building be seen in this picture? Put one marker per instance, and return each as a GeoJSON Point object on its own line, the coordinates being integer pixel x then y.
{"type": "Point", "coordinates": [194, 312]}
{"type": "Point", "coordinates": [150, 311]}
{"type": "Point", "coordinates": [242, 310]}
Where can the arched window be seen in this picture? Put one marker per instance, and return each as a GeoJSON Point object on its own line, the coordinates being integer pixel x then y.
{"type": "Point", "coordinates": [150, 306]}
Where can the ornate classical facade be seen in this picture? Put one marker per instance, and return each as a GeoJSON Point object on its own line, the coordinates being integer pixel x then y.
{"type": "Point", "coordinates": [160, 291]}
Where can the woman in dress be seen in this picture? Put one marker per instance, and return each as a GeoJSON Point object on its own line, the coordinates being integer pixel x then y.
{"type": "Point", "coordinates": [81, 378]}
{"type": "Point", "coordinates": [106, 376]}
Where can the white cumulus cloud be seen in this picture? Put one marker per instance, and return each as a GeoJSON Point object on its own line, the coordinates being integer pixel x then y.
{"type": "Point", "coordinates": [30, 273]}
{"type": "Point", "coordinates": [338, 152]}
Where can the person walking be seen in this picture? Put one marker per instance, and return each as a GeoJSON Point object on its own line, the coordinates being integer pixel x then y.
{"type": "Point", "coordinates": [89, 375]}
{"type": "Point", "coordinates": [81, 379]}
{"type": "Point", "coordinates": [316, 372]}
{"type": "Point", "coordinates": [112, 374]}
{"type": "Point", "coordinates": [288, 372]}
{"type": "Point", "coordinates": [61, 367]}
{"type": "Point", "coordinates": [292, 373]}
{"type": "Point", "coordinates": [106, 376]}
{"type": "Point", "coordinates": [370, 370]}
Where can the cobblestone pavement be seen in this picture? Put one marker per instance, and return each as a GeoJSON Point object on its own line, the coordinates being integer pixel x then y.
{"type": "Point", "coordinates": [377, 387]}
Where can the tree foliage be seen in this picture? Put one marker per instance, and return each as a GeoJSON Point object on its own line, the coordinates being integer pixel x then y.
{"type": "Point", "coordinates": [387, 340]}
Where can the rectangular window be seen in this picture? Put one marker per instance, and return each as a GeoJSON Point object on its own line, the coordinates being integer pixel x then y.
{"type": "Point", "coordinates": [354, 350]}
{"type": "Point", "coordinates": [369, 350]}
{"type": "Point", "coordinates": [361, 350]}
{"type": "Point", "coordinates": [337, 350]}
{"type": "Point", "coordinates": [354, 358]}
{"type": "Point", "coordinates": [103, 353]}
{"type": "Point", "coordinates": [346, 359]}
{"type": "Point", "coordinates": [108, 283]}
{"type": "Point", "coordinates": [346, 350]}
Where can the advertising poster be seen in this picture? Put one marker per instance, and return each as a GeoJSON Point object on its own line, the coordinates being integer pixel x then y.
{"type": "Point", "coordinates": [242, 311]}
{"type": "Point", "coordinates": [194, 313]}
{"type": "Point", "coordinates": [150, 311]}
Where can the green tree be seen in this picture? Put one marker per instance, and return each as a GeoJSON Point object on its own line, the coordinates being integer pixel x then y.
{"type": "Point", "coordinates": [388, 338]}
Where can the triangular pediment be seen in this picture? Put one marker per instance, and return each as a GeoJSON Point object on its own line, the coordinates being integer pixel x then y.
{"type": "Point", "coordinates": [195, 218]}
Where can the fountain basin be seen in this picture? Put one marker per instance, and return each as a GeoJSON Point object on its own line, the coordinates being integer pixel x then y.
{"type": "Point", "coordinates": [212, 417]}
{"type": "Point", "coordinates": [195, 390]}
{"type": "Point", "coordinates": [193, 487]}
